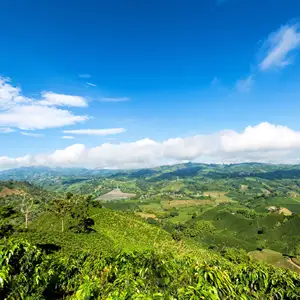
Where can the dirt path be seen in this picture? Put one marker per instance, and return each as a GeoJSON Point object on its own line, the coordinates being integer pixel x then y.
{"type": "Point", "coordinates": [293, 263]}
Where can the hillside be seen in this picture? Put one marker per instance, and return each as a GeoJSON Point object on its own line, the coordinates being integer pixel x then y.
{"type": "Point", "coordinates": [67, 265]}
{"type": "Point", "coordinates": [216, 219]}
{"type": "Point", "coordinates": [112, 231]}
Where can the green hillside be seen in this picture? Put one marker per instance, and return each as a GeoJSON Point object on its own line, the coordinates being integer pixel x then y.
{"type": "Point", "coordinates": [112, 231]}
{"type": "Point", "coordinates": [190, 231]}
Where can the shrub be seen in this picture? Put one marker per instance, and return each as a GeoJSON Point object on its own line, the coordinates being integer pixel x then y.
{"type": "Point", "coordinates": [26, 272]}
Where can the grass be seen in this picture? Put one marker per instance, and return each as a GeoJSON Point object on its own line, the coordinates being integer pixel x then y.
{"type": "Point", "coordinates": [274, 258]}
{"type": "Point", "coordinates": [296, 260]}
{"type": "Point", "coordinates": [123, 205]}
{"type": "Point", "coordinates": [151, 207]}
{"type": "Point", "coordinates": [291, 203]}
{"type": "Point", "coordinates": [185, 214]}
{"type": "Point", "coordinates": [146, 215]}
{"type": "Point", "coordinates": [173, 187]}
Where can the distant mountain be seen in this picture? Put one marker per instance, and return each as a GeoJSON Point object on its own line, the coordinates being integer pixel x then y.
{"type": "Point", "coordinates": [32, 173]}
{"type": "Point", "coordinates": [184, 170]}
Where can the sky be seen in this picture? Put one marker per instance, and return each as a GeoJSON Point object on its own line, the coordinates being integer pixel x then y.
{"type": "Point", "coordinates": [133, 84]}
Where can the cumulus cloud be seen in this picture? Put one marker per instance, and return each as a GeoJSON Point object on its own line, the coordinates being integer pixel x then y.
{"type": "Point", "coordinates": [279, 46]}
{"type": "Point", "coordinates": [53, 99]}
{"type": "Point", "coordinates": [264, 142]}
{"type": "Point", "coordinates": [18, 111]}
{"type": "Point", "coordinates": [263, 137]}
{"type": "Point", "coordinates": [108, 99]}
{"type": "Point", "coordinates": [96, 131]}
{"type": "Point", "coordinates": [68, 137]}
{"type": "Point", "coordinates": [245, 85]}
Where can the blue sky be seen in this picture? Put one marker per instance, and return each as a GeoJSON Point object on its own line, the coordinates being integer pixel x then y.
{"type": "Point", "coordinates": [129, 73]}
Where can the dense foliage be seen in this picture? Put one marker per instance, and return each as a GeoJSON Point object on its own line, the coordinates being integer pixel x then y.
{"type": "Point", "coordinates": [27, 272]}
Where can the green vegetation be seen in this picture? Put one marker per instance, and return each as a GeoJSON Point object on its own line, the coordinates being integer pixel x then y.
{"type": "Point", "coordinates": [189, 231]}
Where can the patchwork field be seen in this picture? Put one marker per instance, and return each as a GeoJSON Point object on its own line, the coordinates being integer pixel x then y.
{"type": "Point", "coordinates": [184, 203]}
{"type": "Point", "coordinates": [219, 197]}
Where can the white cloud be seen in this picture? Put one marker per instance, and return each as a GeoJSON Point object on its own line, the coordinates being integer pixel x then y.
{"type": "Point", "coordinates": [68, 137]}
{"type": "Point", "coordinates": [96, 131]}
{"type": "Point", "coordinates": [264, 142]}
{"type": "Point", "coordinates": [122, 99]}
{"type": "Point", "coordinates": [68, 155]}
{"type": "Point", "coordinates": [18, 111]}
{"type": "Point", "coordinates": [53, 99]}
{"type": "Point", "coordinates": [278, 47]}
{"type": "Point", "coordinates": [245, 85]}
{"type": "Point", "coordinates": [263, 137]}
{"type": "Point", "coordinates": [32, 134]}
{"type": "Point", "coordinates": [91, 84]}
{"type": "Point", "coordinates": [38, 117]}
{"type": "Point", "coordinates": [6, 130]}
{"type": "Point", "coordinates": [84, 75]}
{"type": "Point", "coordinates": [10, 95]}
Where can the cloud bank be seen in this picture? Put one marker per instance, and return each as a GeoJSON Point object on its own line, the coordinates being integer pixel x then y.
{"type": "Point", "coordinates": [264, 142]}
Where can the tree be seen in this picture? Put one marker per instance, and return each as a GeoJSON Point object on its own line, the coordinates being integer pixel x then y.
{"type": "Point", "coordinates": [296, 250]}
{"type": "Point", "coordinates": [26, 207]}
{"type": "Point", "coordinates": [6, 229]}
{"type": "Point", "coordinates": [62, 208]}
{"type": "Point", "coordinates": [80, 213]}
